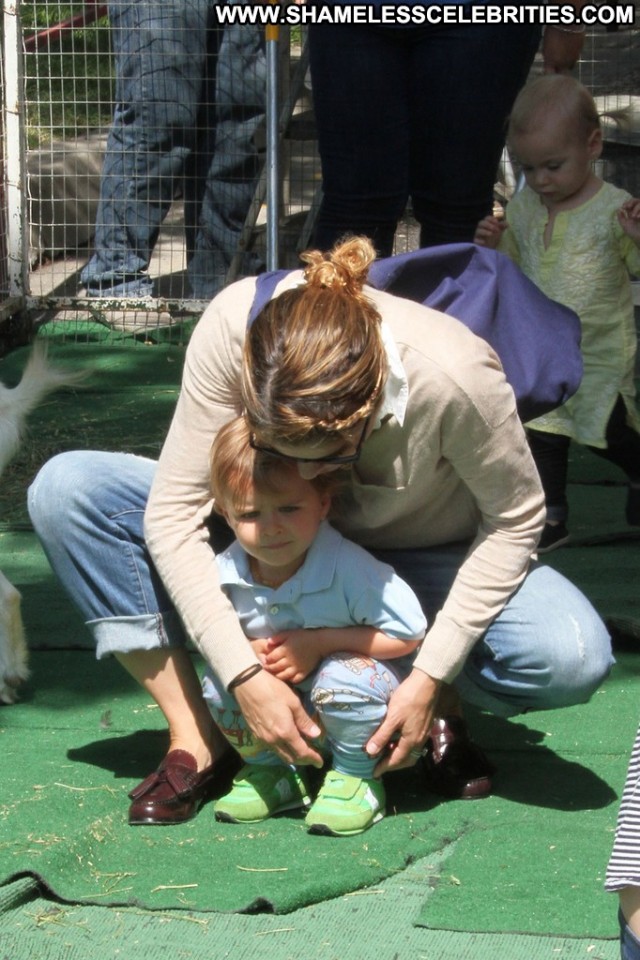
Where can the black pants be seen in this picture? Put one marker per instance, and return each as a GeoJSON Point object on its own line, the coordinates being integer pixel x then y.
{"type": "Point", "coordinates": [551, 454]}
{"type": "Point", "coordinates": [412, 112]}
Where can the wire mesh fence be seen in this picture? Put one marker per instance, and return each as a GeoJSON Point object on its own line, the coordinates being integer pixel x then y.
{"type": "Point", "coordinates": [142, 159]}
{"type": "Point", "coordinates": [610, 68]}
{"type": "Point", "coordinates": [133, 181]}
{"type": "Point", "coordinates": [4, 274]}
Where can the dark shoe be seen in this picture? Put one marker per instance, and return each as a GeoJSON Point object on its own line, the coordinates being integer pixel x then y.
{"type": "Point", "coordinates": [456, 767]}
{"type": "Point", "coordinates": [175, 791]}
{"type": "Point", "coordinates": [633, 505]}
{"type": "Point", "coordinates": [554, 535]}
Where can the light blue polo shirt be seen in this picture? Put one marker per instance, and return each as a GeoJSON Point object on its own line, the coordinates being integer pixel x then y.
{"type": "Point", "coordinates": [339, 585]}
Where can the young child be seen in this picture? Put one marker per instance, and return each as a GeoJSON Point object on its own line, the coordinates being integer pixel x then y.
{"type": "Point", "coordinates": [623, 869]}
{"type": "Point", "coordinates": [323, 615]}
{"type": "Point", "coordinates": [577, 238]}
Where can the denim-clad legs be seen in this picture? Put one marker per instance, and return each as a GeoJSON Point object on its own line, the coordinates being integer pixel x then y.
{"type": "Point", "coordinates": [172, 65]}
{"type": "Point", "coordinates": [417, 112]}
{"type": "Point", "coordinates": [548, 647]}
{"type": "Point", "coordinates": [231, 176]}
{"type": "Point", "coordinates": [88, 510]}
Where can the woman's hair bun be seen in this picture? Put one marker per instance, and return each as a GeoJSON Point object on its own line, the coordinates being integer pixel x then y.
{"type": "Point", "coordinates": [345, 267]}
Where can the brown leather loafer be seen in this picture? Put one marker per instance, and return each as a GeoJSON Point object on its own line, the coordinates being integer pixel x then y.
{"type": "Point", "coordinates": [175, 791]}
{"type": "Point", "coordinates": [456, 767]}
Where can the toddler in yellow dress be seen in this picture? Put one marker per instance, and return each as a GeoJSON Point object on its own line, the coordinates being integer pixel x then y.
{"type": "Point", "coordinates": [578, 239]}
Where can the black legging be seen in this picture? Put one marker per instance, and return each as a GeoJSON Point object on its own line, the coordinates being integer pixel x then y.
{"type": "Point", "coordinates": [551, 454]}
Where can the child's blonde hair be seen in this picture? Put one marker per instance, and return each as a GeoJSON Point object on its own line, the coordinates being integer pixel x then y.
{"type": "Point", "coordinates": [553, 93]}
{"type": "Point", "coordinates": [314, 360]}
{"type": "Point", "coordinates": [236, 468]}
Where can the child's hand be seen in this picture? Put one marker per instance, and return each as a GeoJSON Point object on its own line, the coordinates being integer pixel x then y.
{"type": "Point", "coordinates": [489, 231]}
{"type": "Point", "coordinates": [261, 648]}
{"type": "Point", "coordinates": [291, 656]}
{"type": "Point", "coordinates": [629, 219]}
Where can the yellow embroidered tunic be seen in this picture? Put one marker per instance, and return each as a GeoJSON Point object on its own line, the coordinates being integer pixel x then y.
{"type": "Point", "coordinates": [586, 267]}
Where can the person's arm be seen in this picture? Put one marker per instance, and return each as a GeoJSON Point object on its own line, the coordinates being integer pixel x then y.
{"type": "Point", "coordinates": [294, 654]}
{"type": "Point", "coordinates": [499, 234]}
{"type": "Point", "coordinates": [562, 44]}
{"type": "Point", "coordinates": [485, 443]}
{"type": "Point", "coordinates": [629, 219]}
{"type": "Point", "coordinates": [277, 718]}
{"type": "Point", "coordinates": [487, 447]}
{"type": "Point", "coordinates": [409, 718]}
{"type": "Point", "coordinates": [180, 500]}
{"type": "Point", "coordinates": [488, 232]}
{"type": "Point", "coordinates": [176, 531]}
{"type": "Point", "coordinates": [630, 906]}
{"type": "Point", "coordinates": [626, 228]}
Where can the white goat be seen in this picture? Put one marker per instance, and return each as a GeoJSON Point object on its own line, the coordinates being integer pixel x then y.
{"type": "Point", "coordinates": [39, 378]}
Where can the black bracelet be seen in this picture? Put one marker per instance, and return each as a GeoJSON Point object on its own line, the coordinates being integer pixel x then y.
{"type": "Point", "coordinates": [247, 674]}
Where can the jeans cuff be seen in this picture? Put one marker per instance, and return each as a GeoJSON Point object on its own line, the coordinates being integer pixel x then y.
{"type": "Point", "coordinates": [139, 287]}
{"type": "Point", "coordinates": [153, 631]}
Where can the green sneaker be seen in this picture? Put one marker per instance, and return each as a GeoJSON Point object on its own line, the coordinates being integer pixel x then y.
{"type": "Point", "coordinates": [346, 805]}
{"type": "Point", "coordinates": [261, 790]}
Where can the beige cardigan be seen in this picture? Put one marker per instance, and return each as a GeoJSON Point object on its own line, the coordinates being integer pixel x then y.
{"type": "Point", "coordinates": [459, 468]}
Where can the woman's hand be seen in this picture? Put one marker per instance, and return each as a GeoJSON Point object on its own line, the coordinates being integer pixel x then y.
{"type": "Point", "coordinates": [278, 719]}
{"type": "Point", "coordinates": [291, 656]}
{"type": "Point", "coordinates": [561, 49]}
{"type": "Point", "coordinates": [407, 724]}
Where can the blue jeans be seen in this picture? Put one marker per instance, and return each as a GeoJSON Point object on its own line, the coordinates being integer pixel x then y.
{"type": "Point", "coordinates": [348, 694]}
{"type": "Point", "coordinates": [629, 943]}
{"type": "Point", "coordinates": [412, 113]}
{"type": "Point", "coordinates": [547, 648]}
{"type": "Point", "coordinates": [189, 100]}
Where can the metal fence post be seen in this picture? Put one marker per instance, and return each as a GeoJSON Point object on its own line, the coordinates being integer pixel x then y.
{"type": "Point", "coordinates": [15, 153]}
{"type": "Point", "coordinates": [272, 38]}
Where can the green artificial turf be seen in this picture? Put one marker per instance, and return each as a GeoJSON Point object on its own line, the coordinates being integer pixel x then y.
{"type": "Point", "coordinates": [83, 735]}
{"type": "Point", "coordinates": [529, 859]}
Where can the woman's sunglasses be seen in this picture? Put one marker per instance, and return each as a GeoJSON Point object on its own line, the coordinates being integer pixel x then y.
{"type": "Point", "coordinates": [337, 460]}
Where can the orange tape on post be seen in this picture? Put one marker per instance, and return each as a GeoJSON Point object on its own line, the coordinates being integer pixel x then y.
{"type": "Point", "coordinates": [272, 30]}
